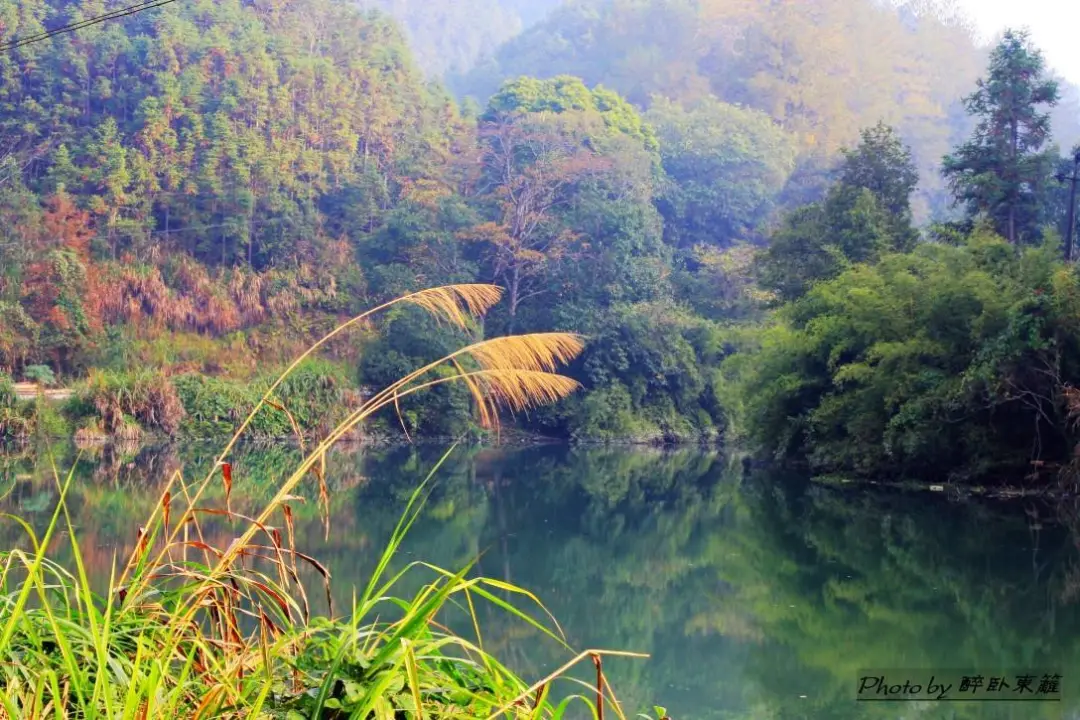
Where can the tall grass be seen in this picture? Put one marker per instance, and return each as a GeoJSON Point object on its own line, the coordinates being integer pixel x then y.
{"type": "Point", "coordinates": [189, 629]}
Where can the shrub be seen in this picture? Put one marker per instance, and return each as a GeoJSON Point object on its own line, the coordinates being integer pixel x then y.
{"type": "Point", "coordinates": [23, 420]}
{"type": "Point", "coordinates": [316, 395]}
{"type": "Point", "coordinates": [410, 340]}
{"type": "Point", "coordinates": [41, 374]}
{"type": "Point", "coordinates": [649, 369]}
{"type": "Point", "coordinates": [948, 359]}
{"type": "Point", "coordinates": [148, 398]}
{"type": "Point", "coordinates": [8, 398]}
{"type": "Point", "coordinates": [603, 414]}
{"type": "Point", "coordinates": [214, 406]}
{"type": "Point", "coordinates": [48, 420]}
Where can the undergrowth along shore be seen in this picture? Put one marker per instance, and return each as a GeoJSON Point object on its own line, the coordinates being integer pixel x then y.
{"type": "Point", "coordinates": [189, 627]}
{"type": "Point", "coordinates": [142, 407]}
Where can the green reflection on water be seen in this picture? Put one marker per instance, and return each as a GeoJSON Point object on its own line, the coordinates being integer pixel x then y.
{"type": "Point", "coordinates": [757, 596]}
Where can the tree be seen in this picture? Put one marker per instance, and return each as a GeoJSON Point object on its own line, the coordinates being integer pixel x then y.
{"type": "Point", "coordinates": [882, 164]}
{"type": "Point", "coordinates": [545, 146]}
{"type": "Point", "coordinates": [949, 358]}
{"type": "Point", "coordinates": [1002, 171]}
{"type": "Point", "coordinates": [866, 214]}
{"type": "Point", "coordinates": [821, 69]}
{"type": "Point", "coordinates": [531, 165]}
{"type": "Point", "coordinates": [725, 167]}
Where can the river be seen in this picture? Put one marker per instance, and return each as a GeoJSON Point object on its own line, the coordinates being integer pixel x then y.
{"type": "Point", "coordinates": [756, 595]}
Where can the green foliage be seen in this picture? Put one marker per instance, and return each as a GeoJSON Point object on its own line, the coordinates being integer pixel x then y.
{"type": "Point", "coordinates": [567, 93]}
{"type": "Point", "coordinates": [16, 423]}
{"type": "Point", "coordinates": [822, 70]}
{"type": "Point", "coordinates": [26, 420]}
{"type": "Point", "coordinates": [41, 374]}
{"type": "Point", "coordinates": [1002, 172]}
{"type": "Point", "coordinates": [883, 164]}
{"type": "Point", "coordinates": [150, 149]}
{"type": "Point", "coordinates": [126, 403]}
{"type": "Point", "coordinates": [214, 407]}
{"type": "Point", "coordinates": [648, 372]}
{"type": "Point", "coordinates": [409, 341]}
{"type": "Point", "coordinates": [864, 216]}
{"type": "Point", "coordinates": [720, 284]}
{"type": "Point", "coordinates": [316, 396]}
{"type": "Point", "coordinates": [204, 189]}
{"type": "Point", "coordinates": [569, 176]}
{"type": "Point", "coordinates": [190, 141]}
{"type": "Point", "coordinates": [8, 398]}
{"type": "Point", "coordinates": [711, 571]}
{"type": "Point", "coordinates": [949, 359]}
{"type": "Point", "coordinates": [111, 650]}
{"type": "Point", "coordinates": [725, 165]}
{"type": "Point", "coordinates": [19, 334]}
{"type": "Point", "coordinates": [48, 420]}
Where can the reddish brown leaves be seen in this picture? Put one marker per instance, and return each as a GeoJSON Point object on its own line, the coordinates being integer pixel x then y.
{"type": "Point", "coordinates": [166, 505]}
{"type": "Point", "coordinates": [599, 687]}
{"type": "Point", "coordinates": [226, 474]}
{"type": "Point", "coordinates": [143, 541]}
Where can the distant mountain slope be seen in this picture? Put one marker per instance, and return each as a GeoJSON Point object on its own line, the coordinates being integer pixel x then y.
{"type": "Point", "coordinates": [450, 36]}
{"type": "Point", "coordinates": [823, 69]}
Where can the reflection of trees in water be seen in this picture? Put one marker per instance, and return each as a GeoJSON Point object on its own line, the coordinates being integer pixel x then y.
{"type": "Point", "coordinates": [748, 591]}
{"type": "Point", "coordinates": [848, 581]}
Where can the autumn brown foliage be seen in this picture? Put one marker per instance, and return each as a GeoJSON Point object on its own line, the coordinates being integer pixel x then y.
{"type": "Point", "coordinates": [184, 295]}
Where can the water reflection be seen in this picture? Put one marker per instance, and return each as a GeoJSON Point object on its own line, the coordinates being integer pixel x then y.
{"type": "Point", "coordinates": [756, 595]}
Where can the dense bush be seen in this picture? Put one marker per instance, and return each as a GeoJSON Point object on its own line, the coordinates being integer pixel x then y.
{"type": "Point", "coordinates": [214, 406]}
{"type": "Point", "coordinates": [119, 401]}
{"type": "Point", "coordinates": [21, 420]}
{"type": "Point", "coordinates": [945, 360]}
{"type": "Point", "coordinates": [316, 395]}
{"type": "Point", "coordinates": [649, 373]}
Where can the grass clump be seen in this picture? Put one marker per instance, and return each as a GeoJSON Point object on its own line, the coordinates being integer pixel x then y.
{"type": "Point", "coordinates": [126, 405]}
{"type": "Point", "coordinates": [120, 401]}
{"type": "Point", "coordinates": [193, 627]}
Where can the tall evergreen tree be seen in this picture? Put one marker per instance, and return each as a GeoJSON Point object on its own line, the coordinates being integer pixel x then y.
{"type": "Point", "coordinates": [883, 164]}
{"type": "Point", "coordinates": [865, 215]}
{"type": "Point", "coordinates": [1002, 170]}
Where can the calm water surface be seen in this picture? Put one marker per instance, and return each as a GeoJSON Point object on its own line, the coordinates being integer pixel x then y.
{"type": "Point", "coordinates": [756, 595]}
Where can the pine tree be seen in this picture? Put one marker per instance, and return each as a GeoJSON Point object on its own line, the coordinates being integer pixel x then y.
{"type": "Point", "coordinates": [1002, 170]}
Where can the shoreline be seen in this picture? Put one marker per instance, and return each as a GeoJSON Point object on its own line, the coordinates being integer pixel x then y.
{"type": "Point", "coordinates": [1051, 490]}
{"type": "Point", "coordinates": [515, 439]}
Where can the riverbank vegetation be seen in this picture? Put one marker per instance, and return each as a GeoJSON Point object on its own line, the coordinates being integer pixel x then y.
{"type": "Point", "coordinates": [189, 626]}
{"type": "Point", "coordinates": [950, 358]}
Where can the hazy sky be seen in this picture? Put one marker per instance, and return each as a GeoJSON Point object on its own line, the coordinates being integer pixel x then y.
{"type": "Point", "coordinates": [1054, 25]}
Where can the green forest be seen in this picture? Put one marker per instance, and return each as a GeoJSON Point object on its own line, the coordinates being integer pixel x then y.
{"type": "Point", "coordinates": [831, 231]}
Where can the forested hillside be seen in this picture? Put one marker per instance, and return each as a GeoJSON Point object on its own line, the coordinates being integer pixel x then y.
{"type": "Point", "coordinates": [187, 188]}
{"type": "Point", "coordinates": [822, 69]}
{"type": "Point", "coordinates": [200, 188]}
{"type": "Point", "coordinates": [190, 194]}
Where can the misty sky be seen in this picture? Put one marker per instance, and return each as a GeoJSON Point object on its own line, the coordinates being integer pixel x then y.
{"type": "Point", "coordinates": [1054, 25]}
